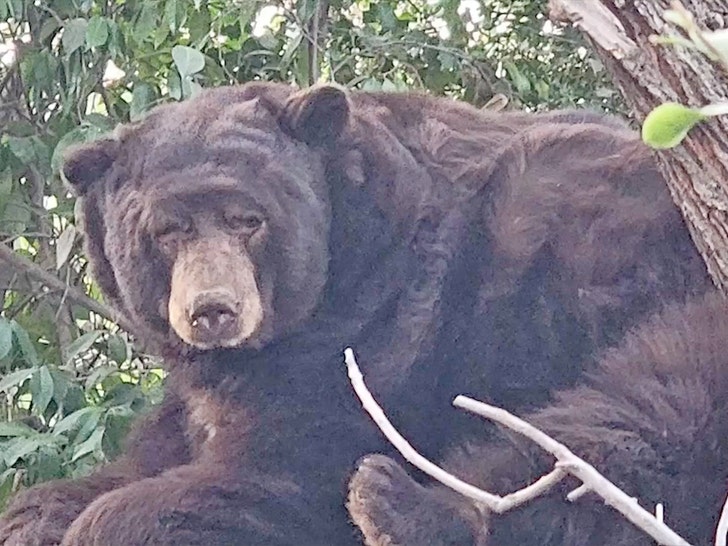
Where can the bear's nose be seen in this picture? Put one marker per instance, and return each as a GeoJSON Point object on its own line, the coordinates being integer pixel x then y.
{"type": "Point", "coordinates": [213, 319]}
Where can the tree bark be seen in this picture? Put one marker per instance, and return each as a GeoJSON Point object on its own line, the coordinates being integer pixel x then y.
{"type": "Point", "coordinates": [648, 75]}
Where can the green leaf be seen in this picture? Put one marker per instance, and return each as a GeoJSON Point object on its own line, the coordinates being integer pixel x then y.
{"type": "Point", "coordinates": [198, 23]}
{"type": "Point", "coordinates": [15, 215]}
{"type": "Point", "coordinates": [41, 388]}
{"type": "Point", "coordinates": [6, 181]}
{"type": "Point", "coordinates": [77, 420]}
{"type": "Point", "coordinates": [97, 32]}
{"type": "Point", "coordinates": [174, 84]}
{"type": "Point", "coordinates": [74, 35]}
{"type": "Point", "coordinates": [16, 378]}
{"type": "Point", "coordinates": [143, 97]}
{"type": "Point", "coordinates": [75, 136]}
{"type": "Point", "coordinates": [15, 429]}
{"type": "Point", "coordinates": [47, 464]}
{"type": "Point", "coordinates": [99, 374]}
{"type": "Point", "coordinates": [26, 346]}
{"type": "Point", "coordinates": [90, 445]}
{"type": "Point", "coordinates": [388, 19]}
{"type": "Point", "coordinates": [20, 448]}
{"type": "Point", "coordinates": [15, 7]}
{"type": "Point", "coordinates": [188, 60]}
{"type": "Point", "coordinates": [173, 14]}
{"type": "Point", "coordinates": [28, 150]}
{"type": "Point", "coordinates": [117, 349]}
{"type": "Point", "coordinates": [7, 479]}
{"type": "Point", "coordinates": [146, 22]}
{"type": "Point", "coordinates": [81, 344]}
{"type": "Point", "coordinates": [62, 382]}
{"type": "Point", "coordinates": [6, 337]}
{"type": "Point", "coordinates": [523, 85]}
{"type": "Point", "coordinates": [668, 124]}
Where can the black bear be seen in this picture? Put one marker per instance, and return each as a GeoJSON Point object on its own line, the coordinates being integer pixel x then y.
{"type": "Point", "coordinates": [253, 232]}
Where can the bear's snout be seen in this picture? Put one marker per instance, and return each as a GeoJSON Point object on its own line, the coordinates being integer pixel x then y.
{"type": "Point", "coordinates": [214, 300]}
{"type": "Point", "coordinates": [214, 316]}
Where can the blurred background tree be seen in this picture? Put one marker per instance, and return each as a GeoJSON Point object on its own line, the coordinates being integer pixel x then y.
{"type": "Point", "coordinates": [70, 379]}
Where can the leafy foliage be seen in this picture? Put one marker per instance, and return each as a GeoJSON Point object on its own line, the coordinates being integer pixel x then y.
{"type": "Point", "coordinates": [70, 70]}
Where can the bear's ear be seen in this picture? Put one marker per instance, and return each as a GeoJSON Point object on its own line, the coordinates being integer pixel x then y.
{"type": "Point", "coordinates": [317, 116]}
{"type": "Point", "coordinates": [84, 165]}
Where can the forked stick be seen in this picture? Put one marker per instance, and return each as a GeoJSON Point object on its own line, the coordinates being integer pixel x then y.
{"type": "Point", "coordinates": [567, 462]}
{"type": "Point", "coordinates": [494, 503]}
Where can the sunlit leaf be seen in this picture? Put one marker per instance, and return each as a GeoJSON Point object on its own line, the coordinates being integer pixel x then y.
{"type": "Point", "coordinates": [14, 429]}
{"type": "Point", "coordinates": [90, 445]}
{"type": "Point", "coordinates": [20, 448]}
{"type": "Point", "coordinates": [16, 378]}
{"type": "Point", "coordinates": [30, 355]}
{"type": "Point", "coordinates": [74, 34]}
{"type": "Point", "coordinates": [77, 419]}
{"type": "Point", "coordinates": [81, 344]}
{"type": "Point", "coordinates": [668, 124]}
{"type": "Point", "coordinates": [6, 337]}
{"type": "Point", "coordinates": [97, 32]}
{"type": "Point", "coordinates": [64, 245]}
{"type": "Point", "coordinates": [41, 388]}
{"type": "Point", "coordinates": [188, 60]}
{"type": "Point", "coordinates": [143, 97]}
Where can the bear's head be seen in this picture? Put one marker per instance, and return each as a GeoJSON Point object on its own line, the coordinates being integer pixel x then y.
{"type": "Point", "coordinates": [207, 222]}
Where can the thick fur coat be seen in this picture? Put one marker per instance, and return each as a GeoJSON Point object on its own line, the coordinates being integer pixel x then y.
{"type": "Point", "coordinates": [455, 250]}
{"type": "Point", "coordinates": [652, 417]}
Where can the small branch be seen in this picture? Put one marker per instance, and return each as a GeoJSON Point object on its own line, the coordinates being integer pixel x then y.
{"type": "Point", "coordinates": [72, 293]}
{"type": "Point", "coordinates": [592, 479]}
{"type": "Point", "coordinates": [722, 531]}
{"type": "Point", "coordinates": [493, 502]}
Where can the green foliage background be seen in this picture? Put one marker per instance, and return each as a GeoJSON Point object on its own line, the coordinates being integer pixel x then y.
{"type": "Point", "coordinates": [70, 380]}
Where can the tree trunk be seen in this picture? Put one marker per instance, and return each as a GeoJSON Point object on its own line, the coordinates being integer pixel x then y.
{"type": "Point", "coordinates": [648, 75]}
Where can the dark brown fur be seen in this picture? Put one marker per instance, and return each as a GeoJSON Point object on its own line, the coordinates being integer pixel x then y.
{"type": "Point", "coordinates": [653, 418]}
{"type": "Point", "coordinates": [455, 250]}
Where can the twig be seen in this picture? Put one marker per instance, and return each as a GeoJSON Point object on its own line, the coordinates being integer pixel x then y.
{"type": "Point", "coordinates": [493, 502]}
{"type": "Point", "coordinates": [567, 463]}
{"type": "Point", "coordinates": [77, 296]}
{"type": "Point", "coordinates": [592, 479]}
{"type": "Point", "coordinates": [722, 531]}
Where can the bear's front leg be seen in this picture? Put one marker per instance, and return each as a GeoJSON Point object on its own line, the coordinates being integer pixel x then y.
{"type": "Point", "coordinates": [40, 516]}
{"type": "Point", "coordinates": [205, 505]}
{"type": "Point", "coordinates": [390, 509]}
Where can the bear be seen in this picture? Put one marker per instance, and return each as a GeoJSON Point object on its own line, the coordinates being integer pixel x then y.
{"type": "Point", "coordinates": [253, 232]}
{"type": "Point", "coordinates": [652, 418]}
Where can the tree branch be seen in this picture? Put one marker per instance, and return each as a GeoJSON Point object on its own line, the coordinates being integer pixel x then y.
{"type": "Point", "coordinates": [591, 478]}
{"type": "Point", "coordinates": [722, 530]}
{"type": "Point", "coordinates": [492, 502]}
{"type": "Point", "coordinates": [72, 293]}
{"type": "Point", "coordinates": [567, 463]}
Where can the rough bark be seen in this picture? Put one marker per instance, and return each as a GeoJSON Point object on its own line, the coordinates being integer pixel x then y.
{"type": "Point", "coordinates": [649, 74]}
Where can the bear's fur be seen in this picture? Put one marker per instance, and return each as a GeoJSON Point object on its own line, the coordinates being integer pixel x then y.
{"type": "Point", "coordinates": [653, 418]}
{"type": "Point", "coordinates": [253, 232]}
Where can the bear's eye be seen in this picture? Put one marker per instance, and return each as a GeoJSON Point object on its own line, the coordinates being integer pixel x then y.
{"type": "Point", "coordinates": [249, 221]}
{"type": "Point", "coordinates": [172, 228]}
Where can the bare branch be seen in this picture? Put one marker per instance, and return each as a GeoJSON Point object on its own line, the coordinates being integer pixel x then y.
{"type": "Point", "coordinates": [493, 502]}
{"type": "Point", "coordinates": [592, 479]}
{"type": "Point", "coordinates": [722, 531]}
{"type": "Point", "coordinates": [72, 293]}
{"type": "Point", "coordinates": [567, 463]}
